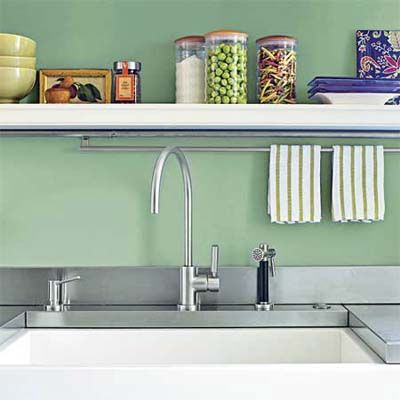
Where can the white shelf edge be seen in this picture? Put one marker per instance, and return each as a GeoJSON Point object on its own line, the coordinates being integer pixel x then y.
{"type": "Point", "coordinates": [179, 117]}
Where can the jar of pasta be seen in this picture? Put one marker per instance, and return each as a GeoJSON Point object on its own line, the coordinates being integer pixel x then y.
{"type": "Point", "coordinates": [276, 70]}
{"type": "Point", "coordinates": [226, 67]}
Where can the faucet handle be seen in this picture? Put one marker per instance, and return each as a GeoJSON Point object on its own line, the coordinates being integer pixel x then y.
{"type": "Point", "coordinates": [212, 277]}
{"type": "Point", "coordinates": [214, 260]}
{"type": "Point", "coordinates": [271, 253]}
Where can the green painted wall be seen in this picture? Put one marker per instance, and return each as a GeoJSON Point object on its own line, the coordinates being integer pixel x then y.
{"type": "Point", "coordinates": [62, 207]}
{"type": "Point", "coordinates": [1, 15]}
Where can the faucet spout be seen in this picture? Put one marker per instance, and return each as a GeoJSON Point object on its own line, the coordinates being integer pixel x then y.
{"type": "Point", "coordinates": [191, 281]}
{"type": "Point", "coordinates": [187, 185]}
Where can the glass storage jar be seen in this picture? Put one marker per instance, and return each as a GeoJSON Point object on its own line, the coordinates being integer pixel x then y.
{"type": "Point", "coordinates": [226, 67]}
{"type": "Point", "coordinates": [189, 76]}
{"type": "Point", "coordinates": [127, 88]}
{"type": "Point", "coordinates": [276, 70]}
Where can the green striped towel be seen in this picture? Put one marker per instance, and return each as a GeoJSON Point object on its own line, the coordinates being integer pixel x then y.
{"type": "Point", "coordinates": [294, 184]}
{"type": "Point", "coordinates": [358, 184]}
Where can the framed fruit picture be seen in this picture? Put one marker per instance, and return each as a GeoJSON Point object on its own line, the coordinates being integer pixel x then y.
{"type": "Point", "coordinates": [75, 86]}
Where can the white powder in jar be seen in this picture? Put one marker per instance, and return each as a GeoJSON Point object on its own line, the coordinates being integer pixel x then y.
{"type": "Point", "coordinates": [190, 77]}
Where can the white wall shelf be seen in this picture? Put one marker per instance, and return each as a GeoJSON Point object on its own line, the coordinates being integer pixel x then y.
{"type": "Point", "coordinates": [166, 120]}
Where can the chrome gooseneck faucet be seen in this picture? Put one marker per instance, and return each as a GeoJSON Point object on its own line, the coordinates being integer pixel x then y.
{"type": "Point", "coordinates": [191, 282]}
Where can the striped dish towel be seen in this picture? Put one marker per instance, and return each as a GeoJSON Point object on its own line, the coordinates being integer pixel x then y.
{"type": "Point", "coordinates": [357, 185]}
{"type": "Point", "coordinates": [294, 184]}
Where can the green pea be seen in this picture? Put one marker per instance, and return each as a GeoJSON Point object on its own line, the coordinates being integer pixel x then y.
{"type": "Point", "coordinates": [214, 59]}
{"type": "Point", "coordinates": [217, 79]}
{"type": "Point", "coordinates": [234, 100]}
{"type": "Point", "coordinates": [229, 60]}
{"type": "Point", "coordinates": [224, 82]}
{"type": "Point", "coordinates": [222, 90]}
{"type": "Point", "coordinates": [225, 100]}
{"type": "Point", "coordinates": [214, 93]}
{"type": "Point", "coordinates": [217, 50]}
{"type": "Point", "coordinates": [223, 65]}
{"type": "Point", "coordinates": [221, 56]}
{"type": "Point", "coordinates": [210, 101]}
{"type": "Point", "coordinates": [218, 72]}
{"type": "Point", "coordinates": [217, 86]}
{"type": "Point", "coordinates": [226, 49]}
{"type": "Point", "coordinates": [231, 81]}
{"type": "Point", "coordinates": [225, 75]}
{"type": "Point", "coordinates": [230, 93]}
{"type": "Point", "coordinates": [217, 100]}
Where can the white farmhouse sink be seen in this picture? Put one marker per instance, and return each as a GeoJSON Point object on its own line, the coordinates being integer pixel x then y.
{"type": "Point", "coordinates": [186, 364]}
{"type": "Point", "coordinates": [105, 347]}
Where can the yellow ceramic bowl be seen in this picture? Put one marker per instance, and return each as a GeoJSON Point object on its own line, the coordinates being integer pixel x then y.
{"type": "Point", "coordinates": [17, 46]}
{"type": "Point", "coordinates": [18, 62]}
{"type": "Point", "coordinates": [15, 83]}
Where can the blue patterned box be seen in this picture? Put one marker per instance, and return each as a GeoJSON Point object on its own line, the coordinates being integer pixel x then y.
{"type": "Point", "coordinates": [378, 54]}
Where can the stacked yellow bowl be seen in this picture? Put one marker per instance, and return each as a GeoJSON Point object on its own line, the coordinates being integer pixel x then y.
{"type": "Point", "coordinates": [17, 67]}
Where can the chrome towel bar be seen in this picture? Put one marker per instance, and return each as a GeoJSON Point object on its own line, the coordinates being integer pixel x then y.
{"type": "Point", "coordinates": [86, 146]}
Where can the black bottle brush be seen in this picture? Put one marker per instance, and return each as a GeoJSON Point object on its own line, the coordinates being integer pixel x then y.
{"type": "Point", "coordinates": [265, 256]}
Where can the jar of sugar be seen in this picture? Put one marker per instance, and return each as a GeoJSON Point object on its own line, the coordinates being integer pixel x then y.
{"type": "Point", "coordinates": [190, 72]}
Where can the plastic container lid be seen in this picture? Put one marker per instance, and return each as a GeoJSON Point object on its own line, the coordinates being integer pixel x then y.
{"type": "Point", "coordinates": [277, 39]}
{"type": "Point", "coordinates": [190, 39]}
{"type": "Point", "coordinates": [226, 33]}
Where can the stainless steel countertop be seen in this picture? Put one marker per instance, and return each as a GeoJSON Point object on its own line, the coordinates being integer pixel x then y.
{"type": "Point", "coordinates": [379, 327]}
{"type": "Point", "coordinates": [383, 320]}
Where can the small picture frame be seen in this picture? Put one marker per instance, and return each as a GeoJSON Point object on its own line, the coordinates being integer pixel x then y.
{"type": "Point", "coordinates": [85, 86]}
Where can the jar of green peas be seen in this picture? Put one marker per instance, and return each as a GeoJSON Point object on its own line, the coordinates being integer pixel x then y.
{"type": "Point", "coordinates": [226, 67]}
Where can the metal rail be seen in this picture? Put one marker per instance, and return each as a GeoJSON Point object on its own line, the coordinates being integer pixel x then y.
{"type": "Point", "coordinates": [201, 133]}
{"type": "Point", "coordinates": [87, 147]}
